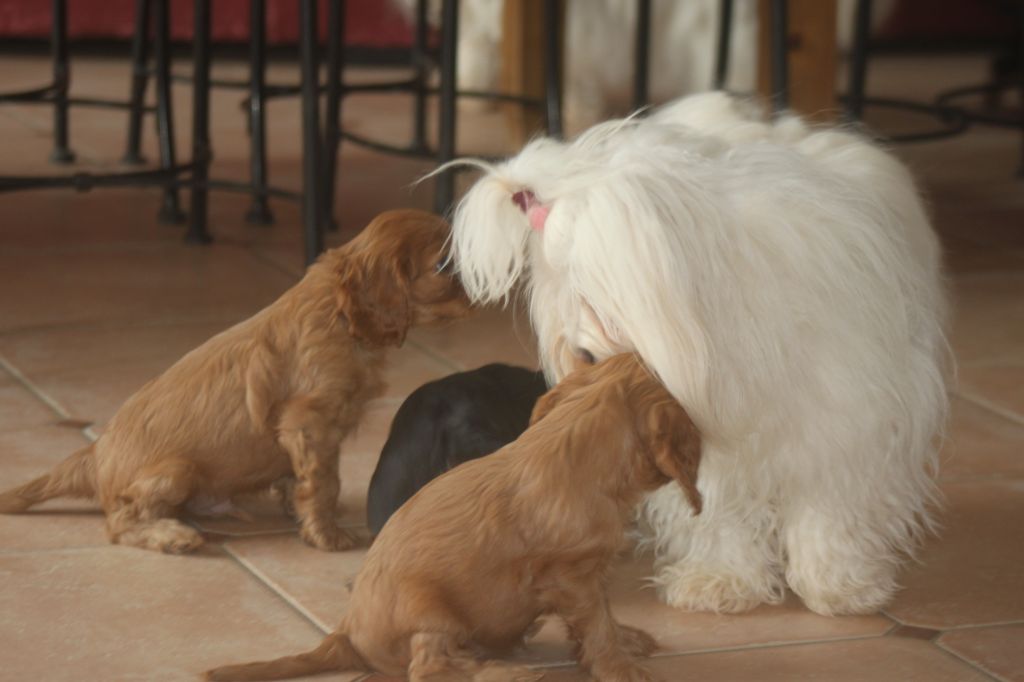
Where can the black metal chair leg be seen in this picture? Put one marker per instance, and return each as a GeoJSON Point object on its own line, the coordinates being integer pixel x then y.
{"type": "Point", "coordinates": [1020, 81]}
{"type": "Point", "coordinates": [724, 40]}
{"type": "Point", "coordinates": [859, 61]}
{"type": "Point", "coordinates": [61, 79]}
{"type": "Point", "coordinates": [780, 55]}
{"type": "Point", "coordinates": [421, 64]}
{"type": "Point", "coordinates": [553, 66]}
{"type": "Point", "coordinates": [170, 207]}
{"type": "Point", "coordinates": [309, 63]}
{"type": "Point", "coordinates": [335, 93]}
{"type": "Point", "coordinates": [444, 191]}
{"type": "Point", "coordinates": [140, 78]}
{"type": "Point", "coordinates": [259, 212]}
{"type": "Point", "coordinates": [641, 53]}
{"type": "Point", "coordinates": [201, 154]}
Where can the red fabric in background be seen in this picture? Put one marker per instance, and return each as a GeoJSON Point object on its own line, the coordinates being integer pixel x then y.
{"type": "Point", "coordinates": [368, 23]}
{"type": "Point", "coordinates": [950, 19]}
{"type": "Point", "coordinates": [376, 23]}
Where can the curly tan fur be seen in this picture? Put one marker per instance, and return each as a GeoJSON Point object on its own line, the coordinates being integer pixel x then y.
{"type": "Point", "coordinates": [271, 397]}
{"type": "Point", "coordinates": [469, 563]}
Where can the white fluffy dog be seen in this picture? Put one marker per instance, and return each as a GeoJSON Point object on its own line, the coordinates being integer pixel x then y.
{"type": "Point", "coordinates": [784, 282]}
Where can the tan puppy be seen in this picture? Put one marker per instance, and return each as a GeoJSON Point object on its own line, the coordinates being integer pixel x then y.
{"type": "Point", "coordinates": [470, 562]}
{"type": "Point", "coordinates": [271, 397]}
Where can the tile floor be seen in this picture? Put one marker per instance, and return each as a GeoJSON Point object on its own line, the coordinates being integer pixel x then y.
{"type": "Point", "coordinates": [96, 297]}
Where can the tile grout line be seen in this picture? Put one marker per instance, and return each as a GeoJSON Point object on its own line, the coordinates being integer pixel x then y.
{"type": "Point", "coordinates": [775, 645]}
{"type": "Point", "coordinates": [979, 626]}
{"type": "Point", "coordinates": [273, 587]}
{"type": "Point", "coordinates": [87, 432]}
{"type": "Point", "coordinates": [436, 357]}
{"type": "Point", "coordinates": [84, 154]}
{"type": "Point", "coordinates": [55, 550]}
{"type": "Point", "coordinates": [742, 647]}
{"type": "Point", "coordinates": [56, 407]}
{"type": "Point", "coordinates": [111, 323]}
{"type": "Point", "coordinates": [992, 407]}
{"type": "Point", "coordinates": [969, 663]}
{"type": "Point", "coordinates": [263, 259]}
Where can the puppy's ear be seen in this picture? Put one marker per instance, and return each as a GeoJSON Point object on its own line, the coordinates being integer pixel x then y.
{"type": "Point", "coordinates": [674, 445]}
{"type": "Point", "coordinates": [373, 299]}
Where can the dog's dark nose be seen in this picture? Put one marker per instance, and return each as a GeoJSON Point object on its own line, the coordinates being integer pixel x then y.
{"type": "Point", "coordinates": [524, 198]}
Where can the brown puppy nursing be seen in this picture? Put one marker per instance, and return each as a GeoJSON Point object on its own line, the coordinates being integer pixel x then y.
{"type": "Point", "coordinates": [270, 398]}
{"type": "Point", "coordinates": [469, 563]}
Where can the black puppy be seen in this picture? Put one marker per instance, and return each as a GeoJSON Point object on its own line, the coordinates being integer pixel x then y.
{"type": "Point", "coordinates": [445, 423]}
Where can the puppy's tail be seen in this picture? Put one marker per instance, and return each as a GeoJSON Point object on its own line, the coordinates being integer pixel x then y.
{"type": "Point", "coordinates": [74, 477]}
{"type": "Point", "coordinates": [334, 654]}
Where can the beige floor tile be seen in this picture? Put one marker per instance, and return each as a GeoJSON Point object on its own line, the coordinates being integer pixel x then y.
{"type": "Point", "coordinates": [971, 574]}
{"type": "Point", "coordinates": [977, 222]}
{"type": "Point", "coordinates": [138, 615]}
{"type": "Point", "coordinates": [491, 335]}
{"type": "Point", "coordinates": [133, 283]}
{"type": "Point", "coordinates": [315, 582]}
{"type": "Point", "coordinates": [998, 650]}
{"type": "Point", "coordinates": [373, 431]}
{"type": "Point", "coordinates": [31, 452]}
{"type": "Point", "coordinates": [50, 220]}
{"type": "Point", "coordinates": [65, 220]}
{"type": "Point", "coordinates": [19, 407]}
{"type": "Point", "coordinates": [60, 348]}
{"type": "Point", "coordinates": [999, 385]}
{"type": "Point", "coordinates": [988, 316]}
{"type": "Point", "coordinates": [885, 659]}
{"type": "Point", "coordinates": [91, 369]}
{"type": "Point", "coordinates": [981, 444]}
{"type": "Point", "coordinates": [356, 471]}
{"type": "Point", "coordinates": [409, 367]}
{"type": "Point", "coordinates": [964, 256]}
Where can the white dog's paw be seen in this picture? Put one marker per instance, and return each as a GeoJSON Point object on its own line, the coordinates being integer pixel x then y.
{"type": "Point", "coordinates": [862, 603]}
{"type": "Point", "coordinates": [720, 592]}
{"type": "Point", "coordinates": [843, 594]}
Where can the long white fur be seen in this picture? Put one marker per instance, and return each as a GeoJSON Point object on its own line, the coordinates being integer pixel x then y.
{"type": "Point", "coordinates": [785, 284]}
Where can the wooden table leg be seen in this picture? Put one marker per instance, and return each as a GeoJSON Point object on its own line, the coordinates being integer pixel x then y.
{"type": "Point", "coordinates": [812, 57]}
{"type": "Point", "coordinates": [522, 64]}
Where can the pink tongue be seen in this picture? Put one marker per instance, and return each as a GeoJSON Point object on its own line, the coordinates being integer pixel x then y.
{"type": "Point", "coordinates": [535, 212]}
{"type": "Point", "coordinates": [537, 215]}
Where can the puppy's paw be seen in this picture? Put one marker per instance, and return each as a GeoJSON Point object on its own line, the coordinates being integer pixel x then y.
{"type": "Point", "coordinates": [623, 670]}
{"type": "Point", "coordinates": [494, 671]}
{"type": "Point", "coordinates": [636, 642]}
{"type": "Point", "coordinates": [173, 537]}
{"type": "Point", "coordinates": [329, 538]}
{"type": "Point", "coordinates": [718, 592]}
